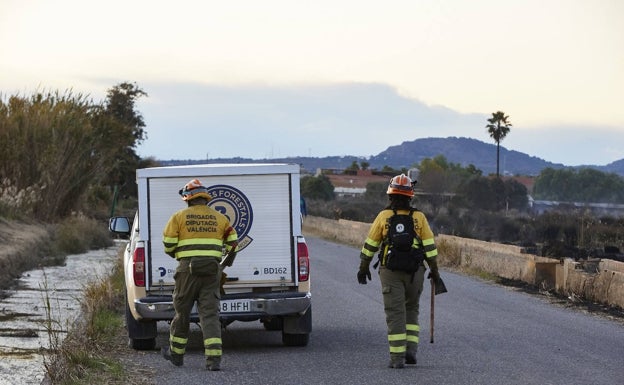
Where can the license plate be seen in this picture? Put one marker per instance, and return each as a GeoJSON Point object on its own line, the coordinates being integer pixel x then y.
{"type": "Point", "coordinates": [235, 306]}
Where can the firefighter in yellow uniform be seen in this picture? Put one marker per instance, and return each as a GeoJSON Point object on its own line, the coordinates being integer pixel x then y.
{"type": "Point", "coordinates": [401, 290]}
{"type": "Point", "coordinates": [197, 237]}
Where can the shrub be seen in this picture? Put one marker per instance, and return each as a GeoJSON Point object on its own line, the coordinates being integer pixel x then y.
{"type": "Point", "coordinates": [449, 253]}
{"type": "Point", "coordinates": [78, 234]}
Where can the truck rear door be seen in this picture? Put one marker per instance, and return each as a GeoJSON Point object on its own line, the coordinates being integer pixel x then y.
{"type": "Point", "coordinates": [259, 207]}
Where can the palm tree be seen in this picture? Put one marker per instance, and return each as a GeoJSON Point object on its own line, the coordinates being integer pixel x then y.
{"type": "Point", "coordinates": [498, 128]}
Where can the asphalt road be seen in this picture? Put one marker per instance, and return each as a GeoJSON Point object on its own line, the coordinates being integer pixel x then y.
{"type": "Point", "coordinates": [484, 334]}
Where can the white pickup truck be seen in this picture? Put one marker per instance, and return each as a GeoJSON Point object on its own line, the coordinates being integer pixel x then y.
{"type": "Point", "coordinates": [270, 278]}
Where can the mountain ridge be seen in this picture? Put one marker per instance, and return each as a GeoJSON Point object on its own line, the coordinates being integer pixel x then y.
{"type": "Point", "coordinates": [460, 150]}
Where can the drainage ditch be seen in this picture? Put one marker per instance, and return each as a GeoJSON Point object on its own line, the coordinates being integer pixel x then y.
{"type": "Point", "coordinates": [28, 323]}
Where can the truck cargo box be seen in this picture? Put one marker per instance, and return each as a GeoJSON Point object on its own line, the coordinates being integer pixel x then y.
{"type": "Point", "coordinates": [269, 280]}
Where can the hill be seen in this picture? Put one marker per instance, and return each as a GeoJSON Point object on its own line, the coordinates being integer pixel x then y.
{"type": "Point", "coordinates": [616, 167]}
{"type": "Point", "coordinates": [463, 151]}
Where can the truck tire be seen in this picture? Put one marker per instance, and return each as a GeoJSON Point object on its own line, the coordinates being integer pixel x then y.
{"type": "Point", "coordinates": [295, 339]}
{"type": "Point", "coordinates": [304, 325]}
{"type": "Point", "coordinates": [141, 335]}
{"type": "Point", "coordinates": [273, 323]}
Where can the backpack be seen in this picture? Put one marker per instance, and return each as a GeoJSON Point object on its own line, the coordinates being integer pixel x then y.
{"type": "Point", "coordinates": [401, 254]}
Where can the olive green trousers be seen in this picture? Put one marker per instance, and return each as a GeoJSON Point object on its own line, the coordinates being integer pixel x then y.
{"type": "Point", "coordinates": [204, 290]}
{"type": "Point", "coordinates": [401, 297]}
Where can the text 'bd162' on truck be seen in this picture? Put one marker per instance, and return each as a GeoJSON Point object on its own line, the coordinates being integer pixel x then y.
{"type": "Point", "coordinates": [270, 278]}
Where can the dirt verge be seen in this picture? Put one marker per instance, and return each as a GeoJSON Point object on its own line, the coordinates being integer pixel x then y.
{"type": "Point", "coordinates": [24, 247]}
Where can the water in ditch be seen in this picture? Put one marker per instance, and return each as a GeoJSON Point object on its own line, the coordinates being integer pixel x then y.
{"type": "Point", "coordinates": [24, 315]}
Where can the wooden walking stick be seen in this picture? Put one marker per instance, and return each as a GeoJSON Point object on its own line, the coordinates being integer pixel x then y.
{"type": "Point", "coordinates": [432, 309]}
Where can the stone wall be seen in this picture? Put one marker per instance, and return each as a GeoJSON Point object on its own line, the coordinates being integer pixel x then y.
{"type": "Point", "coordinates": [597, 280]}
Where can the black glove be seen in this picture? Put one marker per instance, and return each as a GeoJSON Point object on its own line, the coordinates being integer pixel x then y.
{"type": "Point", "coordinates": [229, 259]}
{"type": "Point", "coordinates": [435, 275]}
{"type": "Point", "coordinates": [364, 272]}
{"type": "Point", "coordinates": [433, 270]}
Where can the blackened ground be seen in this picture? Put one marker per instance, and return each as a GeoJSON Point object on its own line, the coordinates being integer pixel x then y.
{"type": "Point", "coordinates": [613, 312]}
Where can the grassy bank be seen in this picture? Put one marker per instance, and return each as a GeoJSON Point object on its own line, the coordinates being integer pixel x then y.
{"type": "Point", "coordinates": [28, 245]}
{"type": "Point", "coordinates": [25, 246]}
{"type": "Point", "coordinates": [90, 352]}
{"type": "Point", "coordinates": [94, 349]}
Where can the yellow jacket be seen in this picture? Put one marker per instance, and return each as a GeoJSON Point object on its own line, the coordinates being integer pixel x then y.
{"type": "Point", "coordinates": [199, 231]}
{"type": "Point", "coordinates": [379, 230]}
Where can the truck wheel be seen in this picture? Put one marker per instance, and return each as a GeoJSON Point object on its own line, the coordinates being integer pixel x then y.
{"type": "Point", "coordinates": [295, 339]}
{"type": "Point", "coordinates": [274, 323]}
{"type": "Point", "coordinates": [141, 335]}
{"type": "Point", "coordinates": [302, 324]}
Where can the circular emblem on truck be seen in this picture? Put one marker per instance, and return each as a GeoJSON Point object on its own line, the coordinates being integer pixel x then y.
{"type": "Point", "coordinates": [232, 203]}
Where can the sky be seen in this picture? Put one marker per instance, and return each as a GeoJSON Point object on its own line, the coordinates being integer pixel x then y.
{"type": "Point", "coordinates": [280, 78]}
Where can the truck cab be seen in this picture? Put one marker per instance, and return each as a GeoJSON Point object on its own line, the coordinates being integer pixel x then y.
{"type": "Point", "coordinates": [270, 278]}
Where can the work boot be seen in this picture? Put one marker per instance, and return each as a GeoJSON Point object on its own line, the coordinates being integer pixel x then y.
{"type": "Point", "coordinates": [213, 363]}
{"type": "Point", "coordinates": [176, 359]}
{"type": "Point", "coordinates": [410, 357]}
{"type": "Point", "coordinates": [397, 361]}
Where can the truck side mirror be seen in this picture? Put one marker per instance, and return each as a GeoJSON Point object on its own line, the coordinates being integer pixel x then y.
{"type": "Point", "coordinates": [119, 225]}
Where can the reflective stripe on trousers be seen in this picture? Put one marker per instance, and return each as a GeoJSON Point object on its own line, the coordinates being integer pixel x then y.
{"type": "Point", "coordinates": [212, 347]}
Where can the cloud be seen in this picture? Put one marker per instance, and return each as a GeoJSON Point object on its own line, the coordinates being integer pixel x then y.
{"type": "Point", "coordinates": [195, 121]}
{"type": "Point", "coordinates": [198, 121]}
{"type": "Point", "coordinates": [569, 145]}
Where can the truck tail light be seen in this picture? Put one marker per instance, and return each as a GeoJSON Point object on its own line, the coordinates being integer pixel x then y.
{"type": "Point", "coordinates": [138, 266]}
{"type": "Point", "coordinates": [304, 261]}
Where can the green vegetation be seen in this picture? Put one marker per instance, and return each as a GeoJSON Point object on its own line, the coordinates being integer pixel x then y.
{"type": "Point", "coordinates": [583, 185]}
{"type": "Point", "coordinates": [317, 188]}
{"type": "Point", "coordinates": [76, 235]}
{"type": "Point", "coordinates": [63, 161]}
{"type": "Point", "coordinates": [460, 201]}
{"type": "Point", "coordinates": [63, 153]}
